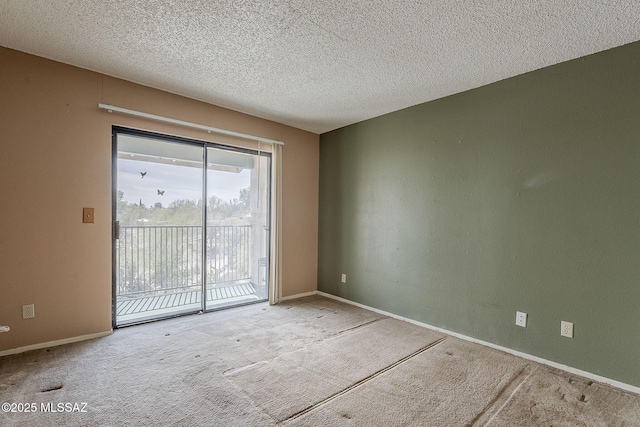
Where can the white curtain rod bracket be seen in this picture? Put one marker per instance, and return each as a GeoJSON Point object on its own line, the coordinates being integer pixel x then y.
{"type": "Point", "coordinates": [209, 129]}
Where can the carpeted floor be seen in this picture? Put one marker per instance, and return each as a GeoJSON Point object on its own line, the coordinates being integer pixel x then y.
{"type": "Point", "coordinates": [307, 362]}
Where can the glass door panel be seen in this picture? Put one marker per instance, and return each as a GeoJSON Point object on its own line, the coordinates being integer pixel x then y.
{"type": "Point", "coordinates": [158, 260]}
{"type": "Point", "coordinates": [237, 227]}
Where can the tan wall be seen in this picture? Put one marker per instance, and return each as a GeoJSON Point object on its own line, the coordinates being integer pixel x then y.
{"type": "Point", "coordinates": [55, 159]}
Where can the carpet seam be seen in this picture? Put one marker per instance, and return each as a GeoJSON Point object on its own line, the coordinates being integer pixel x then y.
{"type": "Point", "coordinates": [362, 381]}
{"type": "Point", "coordinates": [492, 403]}
{"type": "Point", "coordinates": [360, 326]}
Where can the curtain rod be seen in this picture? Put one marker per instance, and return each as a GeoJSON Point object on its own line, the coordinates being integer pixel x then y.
{"type": "Point", "coordinates": [111, 108]}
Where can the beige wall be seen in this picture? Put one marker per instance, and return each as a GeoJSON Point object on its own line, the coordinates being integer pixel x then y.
{"type": "Point", "coordinates": [55, 159]}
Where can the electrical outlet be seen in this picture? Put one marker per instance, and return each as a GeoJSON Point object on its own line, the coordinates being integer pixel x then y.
{"type": "Point", "coordinates": [566, 329]}
{"type": "Point", "coordinates": [521, 319]}
{"type": "Point", "coordinates": [344, 278]}
{"type": "Point", "coordinates": [28, 311]}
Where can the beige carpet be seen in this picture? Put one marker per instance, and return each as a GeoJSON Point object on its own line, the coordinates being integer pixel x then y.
{"type": "Point", "coordinates": [318, 372]}
{"type": "Point", "coordinates": [307, 362]}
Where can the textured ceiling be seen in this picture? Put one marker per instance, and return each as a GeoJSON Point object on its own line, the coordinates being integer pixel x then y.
{"type": "Point", "coordinates": [316, 65]}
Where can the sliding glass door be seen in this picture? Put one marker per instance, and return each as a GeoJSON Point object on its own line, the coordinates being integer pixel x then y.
{"type": "Point", "coordinates": [237, 232]}
{"type": "Point", "coordinates": [187, 238]}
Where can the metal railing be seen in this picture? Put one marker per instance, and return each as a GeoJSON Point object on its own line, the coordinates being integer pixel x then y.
{"type": "Point", "coordinates": [164, 259]}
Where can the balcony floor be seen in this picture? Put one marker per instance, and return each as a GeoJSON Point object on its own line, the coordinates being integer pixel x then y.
{"type": "Point", "coordinates": [139, 309]}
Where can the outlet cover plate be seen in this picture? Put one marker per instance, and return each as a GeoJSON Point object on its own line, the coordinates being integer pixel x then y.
{"type": "Point", "coordinates": [521, 319]}
{"type": "Point", "coordinates": [343, 279]}
{"type": "Point", "coordinates": [566, 329]}
{"type": "Point", "coordinates": [28, 311]}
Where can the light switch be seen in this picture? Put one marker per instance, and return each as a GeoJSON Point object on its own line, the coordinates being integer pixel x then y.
{"type": "Point", "coordinates": [87, 215]}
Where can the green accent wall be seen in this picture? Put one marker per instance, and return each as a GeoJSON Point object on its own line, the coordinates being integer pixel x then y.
{"type": "Point", "coordinates": [519, 195]}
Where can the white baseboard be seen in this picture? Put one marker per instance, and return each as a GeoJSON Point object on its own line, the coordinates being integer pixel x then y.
{"type": "Point", "coordinates": [569, 369]}
{"type": "Point", "coordinates": [54, 343]}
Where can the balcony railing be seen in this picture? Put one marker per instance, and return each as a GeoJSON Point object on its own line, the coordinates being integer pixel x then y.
{"type": "Point", "coordinates": [167, 259]}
